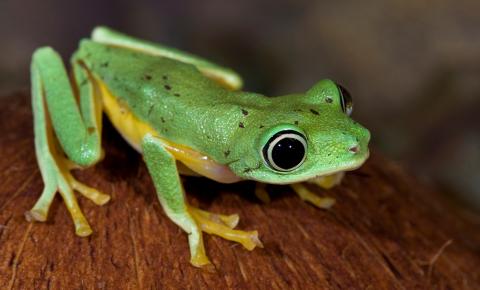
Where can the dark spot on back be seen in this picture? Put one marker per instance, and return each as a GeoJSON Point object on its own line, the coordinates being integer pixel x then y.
{"type": "Point", "coordinates": [314, 112]}
{"type": "Point", "coordinates": [90, 130]}
{"type": "Point", "coordinates": [226, 153]}
{"type": "Point", "coordinates": [329, 100]}
{"type": "Point", "coordinates": [148, 77]}
{"type": "Point", "coordinates": [261, 126]}
{"type": "Point", "coordinates": [150, 109]}
{"type": "Point", "coordinates": [165, 77]}
{"type": "Point", "coordinates": [296, 122]}
{"type": "Point", "coordinates": [162, 119]}
{"type": "Point", "coordinates": [104, 64]}
{"type": "Point", "coordinates": [176, 95]}
{"type": "Point", "coordinates": [167, 87]}
{"type": "Point", "coordinates": [246, 170]}
{"type": "Point", "coordinates": [241, 125]}
{"type": "Point", "coordinates": [244, 112]}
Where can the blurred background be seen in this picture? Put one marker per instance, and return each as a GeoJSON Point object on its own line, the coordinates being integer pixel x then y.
{"type": "Point", "coordinates": [412, 66]}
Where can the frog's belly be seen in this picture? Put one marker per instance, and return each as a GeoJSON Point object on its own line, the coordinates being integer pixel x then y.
{"type": "Point", "coordinates": [133, 131]}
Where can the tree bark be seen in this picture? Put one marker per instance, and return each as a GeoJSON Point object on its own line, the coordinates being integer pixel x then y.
{"type": "Point", "coordinates": [386, 231]}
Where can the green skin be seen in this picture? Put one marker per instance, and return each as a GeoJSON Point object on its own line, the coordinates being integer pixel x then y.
{"type": "Point", "coordinates": [169, 90]}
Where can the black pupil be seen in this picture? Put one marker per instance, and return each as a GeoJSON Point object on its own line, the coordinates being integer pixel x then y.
{"type": "Point", "coordinates": [288, 153]}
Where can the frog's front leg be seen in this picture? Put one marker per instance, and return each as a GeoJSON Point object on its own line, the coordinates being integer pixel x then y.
{"type": "Point", "coordinates": [163, 169]}
{"type": "Point", "coordinates": [77, 133]}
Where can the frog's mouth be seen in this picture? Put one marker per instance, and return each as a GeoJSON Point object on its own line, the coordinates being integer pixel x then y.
{"type": "Point", "coordinates": [289, 179]}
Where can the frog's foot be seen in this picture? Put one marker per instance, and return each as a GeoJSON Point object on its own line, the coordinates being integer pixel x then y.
{"type": "Point", "coordinates": [58, 178]}
{"type": "Point", "coordinates": [223, 226]}
{"type": "Point", "coordinates": [306, 195]}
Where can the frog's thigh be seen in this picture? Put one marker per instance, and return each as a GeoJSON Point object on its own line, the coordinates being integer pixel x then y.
{"type": "Point", "coordinates": [51, 86]}
{"type": "Point", "coordinates": [222, 75]}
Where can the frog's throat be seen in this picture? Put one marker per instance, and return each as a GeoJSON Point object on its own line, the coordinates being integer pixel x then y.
{"type": "Point", "coordinates": [133, 131]}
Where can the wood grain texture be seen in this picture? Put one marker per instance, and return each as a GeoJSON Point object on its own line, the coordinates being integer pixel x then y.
{"type": "Point", "coordinates": [386, 231]}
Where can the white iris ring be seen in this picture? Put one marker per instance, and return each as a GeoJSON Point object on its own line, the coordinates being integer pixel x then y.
{"type": "Point", "coordinates": [272, 144]}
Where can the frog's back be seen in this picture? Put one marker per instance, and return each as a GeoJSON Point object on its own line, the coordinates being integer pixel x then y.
{"type": "Point", "coordinates": [175, 98]}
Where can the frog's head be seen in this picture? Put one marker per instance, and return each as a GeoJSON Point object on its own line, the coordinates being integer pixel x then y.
{"type": "Point", "coordinates": [304, 136]}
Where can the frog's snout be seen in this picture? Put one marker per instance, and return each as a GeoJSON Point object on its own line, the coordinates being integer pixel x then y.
{"type": "Point", "coordinates": [359, 144]}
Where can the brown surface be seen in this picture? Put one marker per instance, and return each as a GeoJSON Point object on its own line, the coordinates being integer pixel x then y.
{"type": "Point", "coordinates": [385, 232]}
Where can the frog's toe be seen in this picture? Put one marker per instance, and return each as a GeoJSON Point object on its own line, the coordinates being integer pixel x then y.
{"type": "Point", "coordinates": [261, 192]}
{"type": "Point", "coordinates": [328, 181]}
{"type": "Point", "coordinates": [37, 215]}
{"type": "Point", "coordinates": [39, 212]}
{"type": "Point", "coordinates": [82, 228]}
{"type": "Point", "coordinates": [222, 226]}
{"type": "Point", "coordinates": [306, 195]}
{"type": "Point", "coordinates": [91, 193]}
{"type": "Point", "coordinates": [230, 221]}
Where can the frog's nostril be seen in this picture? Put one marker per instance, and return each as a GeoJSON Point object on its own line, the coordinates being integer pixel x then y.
{"type": "Point", "coordinates": [354, 149]}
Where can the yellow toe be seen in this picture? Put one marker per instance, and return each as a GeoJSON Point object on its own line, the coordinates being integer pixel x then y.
{"type": "Point", "coordinates": [91, 193]}
{"type": "Point", "coordinates": [230, 221]}
{"type": "Point", "coordinates": [306, 195]}
{"type": "Point", "coordinates": [83, 229]}
{"type": "Point", "coordinates": [261, 192]}
{"type": "Point", "coordinates": [248, 239]}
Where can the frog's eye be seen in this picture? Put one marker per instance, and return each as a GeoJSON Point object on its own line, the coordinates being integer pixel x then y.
{"type": "Point", "coordinates": [345, 100]}
{"type": "Point", "coordinates": [285, 151]}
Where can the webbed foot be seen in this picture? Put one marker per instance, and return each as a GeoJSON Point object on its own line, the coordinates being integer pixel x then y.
{"type": "Point", "coordinates": [57, 177]}
{"type": "Point", "coordinates": [223, 226]}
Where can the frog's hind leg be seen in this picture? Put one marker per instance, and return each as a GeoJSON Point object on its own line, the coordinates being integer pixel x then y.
{"type": "Point", "coordinates": [76, 131]}
{"type": "Point", "coordinates": [163, 169]}
{"type": "Point", "coordinates": [222, 75]}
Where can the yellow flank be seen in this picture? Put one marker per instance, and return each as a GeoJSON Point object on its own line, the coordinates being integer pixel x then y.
{"type": "Point", "coordinates": [133, 130]}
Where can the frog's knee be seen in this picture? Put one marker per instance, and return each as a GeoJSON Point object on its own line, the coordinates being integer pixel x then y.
{"type": "Point", "coordinates": [86, 156]}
